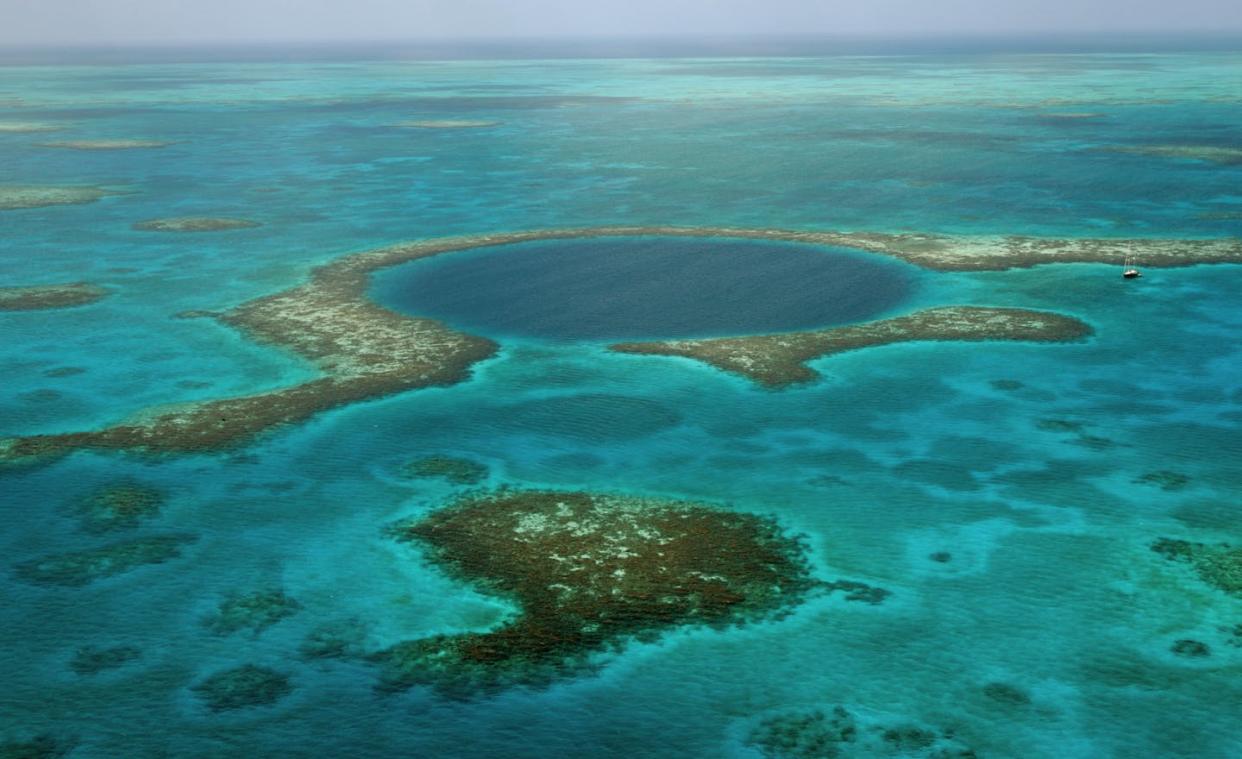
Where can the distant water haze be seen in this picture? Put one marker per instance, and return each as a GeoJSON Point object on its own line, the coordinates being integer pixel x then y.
{"type": "Point", "coordinates": [173, 22]}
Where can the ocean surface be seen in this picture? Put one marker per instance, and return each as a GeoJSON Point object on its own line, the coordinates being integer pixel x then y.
{"type": "Point", "coordinates": [1003, 493]}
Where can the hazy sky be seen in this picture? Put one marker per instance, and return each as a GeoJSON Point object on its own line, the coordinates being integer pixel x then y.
{"type": "Point", "coordinates": [176, 21]}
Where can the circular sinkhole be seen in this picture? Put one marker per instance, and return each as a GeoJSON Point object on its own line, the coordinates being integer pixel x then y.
{"type": "Point", "coordinates": [612, 288]}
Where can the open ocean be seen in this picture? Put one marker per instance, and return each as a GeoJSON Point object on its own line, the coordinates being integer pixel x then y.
{"type": "Point", "coordinates": [1007, 495]}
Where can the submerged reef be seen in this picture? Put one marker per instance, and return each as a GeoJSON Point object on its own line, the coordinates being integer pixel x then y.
{"type": "Point", "coordinates": [779, 360]}
{"type": "Point", "coordinates": [91, 660]}
{"type": "Point", "coordinates": [339, 639]}
{"type": "Point", "coordinates": [241, 687]}
{"type": "Point", "coordinates": [457, 471]}
{"type": "Point", "coordinates": [365, 351]}
{"type": "Point", "coordinates": [38, 297]}
{"type": "Point", "coordinates": [78, 568]}
{"type": "Point", "coordinates": [1164, 479]}
{"type": "Point", "coordinates": [27, 127]}
{"type": "Point", "coordinates": [589, 572]}
{"type": "Point", "coordinates": [448, 124]}
{"type": "Point", "coordinates": [1191, 649]}
{"type": "Point", "coordinates": [1004, 693]}
{"type": "Point", "coordinates": [195, 224]}
{"type": "Point", "coordinates": [817, 734]}
{"type": "Point", "coordinates": [1228, 156]}
{"type": "Point", "coordinates": [1217, 565]}
{"type": "Point", "coordinates": [120, 144]}
{"type": "Point", "coordinates": [39, 747]}
{"type": "Point", "coordinates": [853, 590]}
{"type": "Point", "coordinates": [255, 611]}
{"type": "Point", "coordinates": [32, 196]}
{"type": "Point", "coordinates": [120, 506]}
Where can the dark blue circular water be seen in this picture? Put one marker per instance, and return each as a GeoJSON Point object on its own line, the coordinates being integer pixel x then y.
{"type": "Point", "coordinates": [645, 287]}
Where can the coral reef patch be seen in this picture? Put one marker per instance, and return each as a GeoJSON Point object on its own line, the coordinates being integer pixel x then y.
{"type": "Point", "coordinates": [255, 611]}
{"type": "Point", "coordinates": [1004, 693]}
{"type": "Point", "coordinates": [120, 506]}
{"type": "Point", "coordinates": [589, 572]}
{"type": "Point", "coordinates": [455, 470]}
{"type": "Point", "coordinates": [1229, 156]}
{"type": "Point", "coordinates": [1164, 479]}
{"type": "Point", "coordinates": [78, 568]}
{"type": "Point", "coordinates": [195, 224]}
{"type": "Point", "coordinates": [91, 660]}
{"type": "Point", "coordinates": [1217, 565]}
{"type": "Point", "coordinates": [852, 590]}
{"type": "Point", "coordinates": [39, 747]}
{"type": "Point", "coordinates": [34, 196]}
{"type": "Point", "coordinates": [1191, 649]}
{"type": "Point", "coordinates": [64, 371]}
{"type": "Point", "coordinates": [448, 124]}
{"type": "Point", "coordinates": [339, 639]}
{"type": "Point", "coordinates": [39, 297]}
{"type": "Point", "coordinates": [816, 734]}
{"type": "Point", "coordinates": [119, 144]}
{"type": "Point", "coordinates": [242, 687]}
{"type": "Point", "coordinates": [779, 360]}
{"type": "Point", "coordinates": [27, 127]}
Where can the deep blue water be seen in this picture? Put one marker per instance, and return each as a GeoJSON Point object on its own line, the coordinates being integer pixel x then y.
{"type": "Point", "coordinates": [1023, 462]}
{"type": "Point", "coordinates": [597, 289]}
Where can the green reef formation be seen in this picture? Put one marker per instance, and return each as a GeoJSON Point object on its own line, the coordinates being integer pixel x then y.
{"type": "Point", "coordinates": [1164, 479]}
{"type": "Point", "coordinates": [1217, 565]}
{"type": "Point", "coordinates": [255, 611]}
{"type": "Point", "coordinates": [364, 351]}
{"type": "Point", "coordinates": [338, 639]}
{"type": "Point", "coordinates": [106, 144]}
{"type": "Point", "coordinates": [589, 572]}
{"type": "Point", "coordinates": [39, 297]}
{"type": "Point", "coordinates": [779, 360]}
{"type": "Point", "coordinates": [1191, 649]}
{"type": "Point", "coordinates": [457, 471]}
{"type": "Point", "coordinates": [78, 568]}
{"type": "Point", "coordinates": [448, 124]}
{"type": "Point", "coordinates": [242, 687]}
{"type": "Point", "coordinates": [33, 196]}
{"type": "Point", "coordinates": [1228, 156]}
{"type": "Point", "coordinates": [91, 660]}
{"type": "Point", "coordinates": [195, 224]}
{"type": "Point", "coordinates": [817, 734]}
{"type": "Point", "coordinates": [120, 506]}
{"type": "Point", "coordinates": [1004, 693]}
{"type": "Point", "coordinates": [852, 590]}
{"type": "Point", "coordinates": [39, 747]}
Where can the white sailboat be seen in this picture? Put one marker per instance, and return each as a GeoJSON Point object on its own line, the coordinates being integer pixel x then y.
{"type": "Point", "coordinates": [1131, 268]}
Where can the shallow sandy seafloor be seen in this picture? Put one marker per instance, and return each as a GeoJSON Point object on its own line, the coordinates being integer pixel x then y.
{"type": "Point", "coordinates": [1012, 548]}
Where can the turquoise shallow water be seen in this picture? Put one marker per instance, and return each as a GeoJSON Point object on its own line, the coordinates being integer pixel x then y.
{"type": "Point", "coordinates": [1019, 460]}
